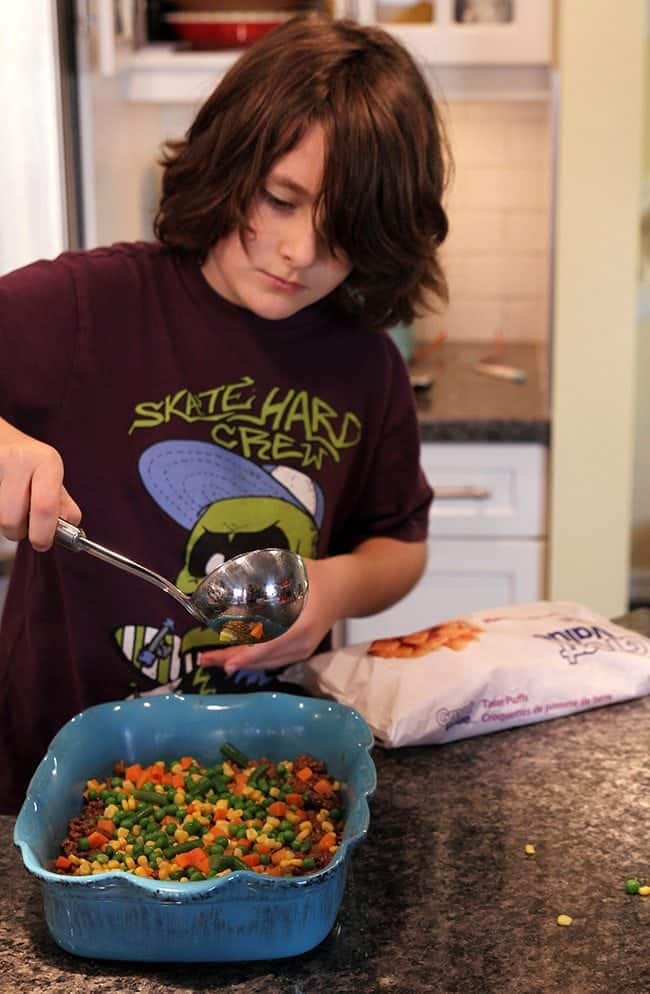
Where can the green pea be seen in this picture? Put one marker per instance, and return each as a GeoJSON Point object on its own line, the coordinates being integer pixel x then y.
{"type": "Point", "coordinates": [265, 860]}
{"type": "Point", "coordinates": [632, 885]}
{"type": "Point", "coordinates": [92, 795]}
{"type": "Point", "coordinates": [196, 875]}
{"type": "Point", "coordinates": [83, 845]}
{"type": "Point", "coordinates": [116, 782]}
{"type": "Point", "coordinates": [289, 835]}
{"type": "Point", "coordinates": [309, 863]}
{"type": "Point", "coordinates": [171, 828]}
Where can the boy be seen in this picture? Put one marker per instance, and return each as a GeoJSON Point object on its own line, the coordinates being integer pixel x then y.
{"type": "Point", "coordinates": [227, 388]}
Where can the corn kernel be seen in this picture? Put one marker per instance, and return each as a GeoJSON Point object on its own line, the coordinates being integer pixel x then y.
{"type": "Point", "coordinates": [125, 803]}
{"type": "Point", "coordinates": [336, 785]}
{"type": "Point", "coordinates": [122, 833]}
{"type": "Point", "coordinates": [564, 920]}
{"type": "Point", "coordinates": [130, 862]}
{"type": "Point", "coordinates": [186, 880]}
{"type": "Point", "coordinates": [132, 803]}
{"type": "Point", "coordinates": [177, 768]}
{"type": "Point", "coordinates": [159, 789]}
{"type": "Point", "coordinates": [135, 831]}
{"type": "Point", "coordinates": [222, 804]}
{"type": "Point", "coordinates": [181, 835]}
{"type": "Point", "coordinates": [301, 836]}
{"type": "Point", "coordinates": [142, 861]}
{"type": "Point", "coordinates": [228, 770]}
{"type": "Point", "coordinates": [74, 859]}
{"type": "Point", "coordinates": [644, 891]}
{"type": "Point", "coordinates": [529, 849]}
{"type": "Point", "coordinates": [224, 826]}
{"type": "Point", "coordinates": [163, 873]}
{"type": "Point", "coordinates": [327, 826]}
{"type": "Point", "coordinates": [113, 864]}
{"type": "Point", "coordinates": [98, 868]}
{"type": "Point", "coordinates": [305, 826]}
{"type": "Point", "coordinates": [273, 822]}
{"type": "Point", "coordinates": [235, 813]}
{"type": "Point", "coordinates": [128, 787]}
{"type": "Point", "coordinates": [291, 817]}
{"type": "Point", "coordinates": [208, 839]}
{"type": "Point", "coordinates": [251, 833]}
{"type": "Point", "coordinates": [274, 791]}
{"type": "Point", "coordinates": [110, 810]}
{"type": "Point", "coordinates": [222, 873]}
{"type": "Point", "coordinates": [179, 797]}
{"type": "Point", "coordinates": [84, 867]}
{"type": "Point", "coordinates": [143, 871]}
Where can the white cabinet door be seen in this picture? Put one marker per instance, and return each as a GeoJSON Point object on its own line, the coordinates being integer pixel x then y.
{"type": "Point", "coordinates": [488, 490]}
{"type": "Point", "coordinates": [466, 32]}
{"type": "Point", "coordinates": [462, 575]}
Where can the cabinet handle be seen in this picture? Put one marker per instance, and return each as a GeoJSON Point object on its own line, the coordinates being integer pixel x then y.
{"type": "Point", "coordinates": [461, 493]}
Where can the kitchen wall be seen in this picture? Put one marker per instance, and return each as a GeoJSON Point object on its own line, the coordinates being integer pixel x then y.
{"type": "Point", "coordinates": [497, 256]}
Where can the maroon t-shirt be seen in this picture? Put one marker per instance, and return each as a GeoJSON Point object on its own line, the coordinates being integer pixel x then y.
{"type": "Point", "coordinates": [190, 430]}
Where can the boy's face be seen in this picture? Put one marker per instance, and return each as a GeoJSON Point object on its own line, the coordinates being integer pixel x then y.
{"type": "Point", "coordinates": [284, 264]}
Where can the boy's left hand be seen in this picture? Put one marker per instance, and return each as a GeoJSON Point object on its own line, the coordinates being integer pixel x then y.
{"type": "Point", "coordinates": [300, 641]}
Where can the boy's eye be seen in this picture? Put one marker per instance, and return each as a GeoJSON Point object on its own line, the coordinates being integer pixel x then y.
{"type": "Point", "coordinates": [276, 202]}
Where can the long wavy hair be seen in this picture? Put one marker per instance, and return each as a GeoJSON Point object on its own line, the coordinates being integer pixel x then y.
{"type": "Point", "coordinates": [385, 169]}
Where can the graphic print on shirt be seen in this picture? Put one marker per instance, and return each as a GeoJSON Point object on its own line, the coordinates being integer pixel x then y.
{"type": "Point", "coordinates": [228, 505]}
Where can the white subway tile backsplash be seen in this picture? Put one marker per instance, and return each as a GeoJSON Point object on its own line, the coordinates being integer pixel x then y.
{"type": "Point", "coordinates": [497, 255]}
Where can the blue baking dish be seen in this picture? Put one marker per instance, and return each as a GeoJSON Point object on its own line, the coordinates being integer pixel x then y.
{"type": "Point", "coordinates": [242, 916]}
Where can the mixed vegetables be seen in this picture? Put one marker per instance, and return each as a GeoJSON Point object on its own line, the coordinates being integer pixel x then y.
{"type": "Point", "coordinates": [185, 821]}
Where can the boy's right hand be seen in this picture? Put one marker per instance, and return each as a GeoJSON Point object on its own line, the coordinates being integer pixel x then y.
{"type": "Point", "coordinates": [32, 495]}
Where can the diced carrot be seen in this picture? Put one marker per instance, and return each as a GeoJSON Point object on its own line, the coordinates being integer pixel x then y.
{"type": "Point", "coordinates": [106, 826]}
{"type": "Point", "coordinates": [155, 774]}
{"type": "Point", "coordinates": [143, 777]}
{"type": "Point", "coordinates": [132, 772]}
{"type": "Point", "coordinates": [293, 798]}
{"type": "Point", "coordinates": [300, 814]}
{"type": "Point", "coordinates": [273, 871]}
{"type": "Point", "coordinates": [96, 840]}
{"type": "Point", "coordinates": [281, 854]}
{"type": "Point", "coordinates": [239, 784]}
{"type": "Point", "coordinates": [197, 857]}
{"type": "Point", "coordinates": [62, 863]}
{"type": "Point", "coordinates": [277, 809]}
{"type": "Point", "coordinates": [327, 840]}
{"type": "Point", "coordinates": [186, 762]}
{"type": "Point", "coordinates": [305, 773]}
{"type": "Point", "coordinates": [251, 859]}
{"type": "Point", "coordinates": [262, 849]}
{"type": "Point", "coordinates": [323, 787]}
{"type": "Point", "coordinates": [177, 780]}
{"type": "Point", "coordinates": [167, 778]}
{"type": "Point", "coordinates": [257, 630]}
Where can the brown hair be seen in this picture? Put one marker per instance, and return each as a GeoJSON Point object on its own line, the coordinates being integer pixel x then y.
{"type": "Point", "coordinates": [385, 166]}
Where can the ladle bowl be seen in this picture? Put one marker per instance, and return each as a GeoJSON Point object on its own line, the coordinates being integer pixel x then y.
{"type": "Point", "coordinates": [262, 591]}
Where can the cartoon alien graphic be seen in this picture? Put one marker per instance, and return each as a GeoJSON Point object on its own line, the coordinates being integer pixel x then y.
{"type": "Point", "coordinates": [228, 505]}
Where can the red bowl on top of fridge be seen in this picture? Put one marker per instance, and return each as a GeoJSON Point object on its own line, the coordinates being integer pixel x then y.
{"type": "Point", "coordinates": [225, 29]}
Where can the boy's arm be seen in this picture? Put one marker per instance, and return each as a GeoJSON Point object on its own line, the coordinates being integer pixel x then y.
{"type": "Point", "coordinates": [32, 495]}
{"type": "Point", "coordinates": [377, 574]}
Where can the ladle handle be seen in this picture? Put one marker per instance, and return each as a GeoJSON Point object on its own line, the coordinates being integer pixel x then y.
{"type": "Point", "coordinates": [73, 538]}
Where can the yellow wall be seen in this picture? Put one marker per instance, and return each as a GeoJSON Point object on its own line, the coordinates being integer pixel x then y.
{"type": "Point", "coordinates": [641, 494]}
{"type": "Point", "coordinates": [600, 61]}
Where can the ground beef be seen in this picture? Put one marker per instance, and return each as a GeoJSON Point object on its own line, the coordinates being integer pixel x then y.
{"type": "Point", "coordinates": [82, 826]}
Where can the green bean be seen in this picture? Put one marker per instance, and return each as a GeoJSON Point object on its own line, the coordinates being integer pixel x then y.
{"type": "Point", "coordinates": [150, 796]}
{"type": "Point", "coordinates": [230, 752]}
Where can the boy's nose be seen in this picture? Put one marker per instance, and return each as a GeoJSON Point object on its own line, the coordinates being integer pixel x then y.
{"type": "Point", "coordinates": [299, 243]}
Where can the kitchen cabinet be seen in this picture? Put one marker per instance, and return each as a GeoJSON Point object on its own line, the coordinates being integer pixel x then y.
{"type": "Point", "coordinates": [487, 540]}
{"type": "Point", "coordinates": [466, 32]}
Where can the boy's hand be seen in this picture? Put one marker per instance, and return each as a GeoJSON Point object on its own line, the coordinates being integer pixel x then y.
{"type": "Point", "coordinates": [32, 495]}
{"type": "Point", "coordinates": [300, 641]}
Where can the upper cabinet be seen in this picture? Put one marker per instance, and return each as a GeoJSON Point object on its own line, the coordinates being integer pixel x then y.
{"type": "Point", "coordinates": [465, 32]}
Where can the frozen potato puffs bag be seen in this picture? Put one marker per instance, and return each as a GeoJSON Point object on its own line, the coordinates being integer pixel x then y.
{"type": "Point", "coordinates": [482, 672]}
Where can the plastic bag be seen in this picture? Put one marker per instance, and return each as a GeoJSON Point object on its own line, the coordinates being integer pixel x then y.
{"type": "Point", "coordinates": [482, 672]}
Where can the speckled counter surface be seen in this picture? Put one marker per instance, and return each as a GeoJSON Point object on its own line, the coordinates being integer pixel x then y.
{"type": "Point", "coordinates": [441, 897]}
{"type": "Point", "coordinates": [463, 405]}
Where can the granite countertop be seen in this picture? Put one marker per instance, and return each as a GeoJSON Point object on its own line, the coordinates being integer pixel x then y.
{"type": "Point", "coordinates": [441, 897]}
{"type": "Point", "coordinates": [463, 405]}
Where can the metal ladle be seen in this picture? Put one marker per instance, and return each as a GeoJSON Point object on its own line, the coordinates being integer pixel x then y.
{"type": "Point", "coordinates": [265, 585]}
